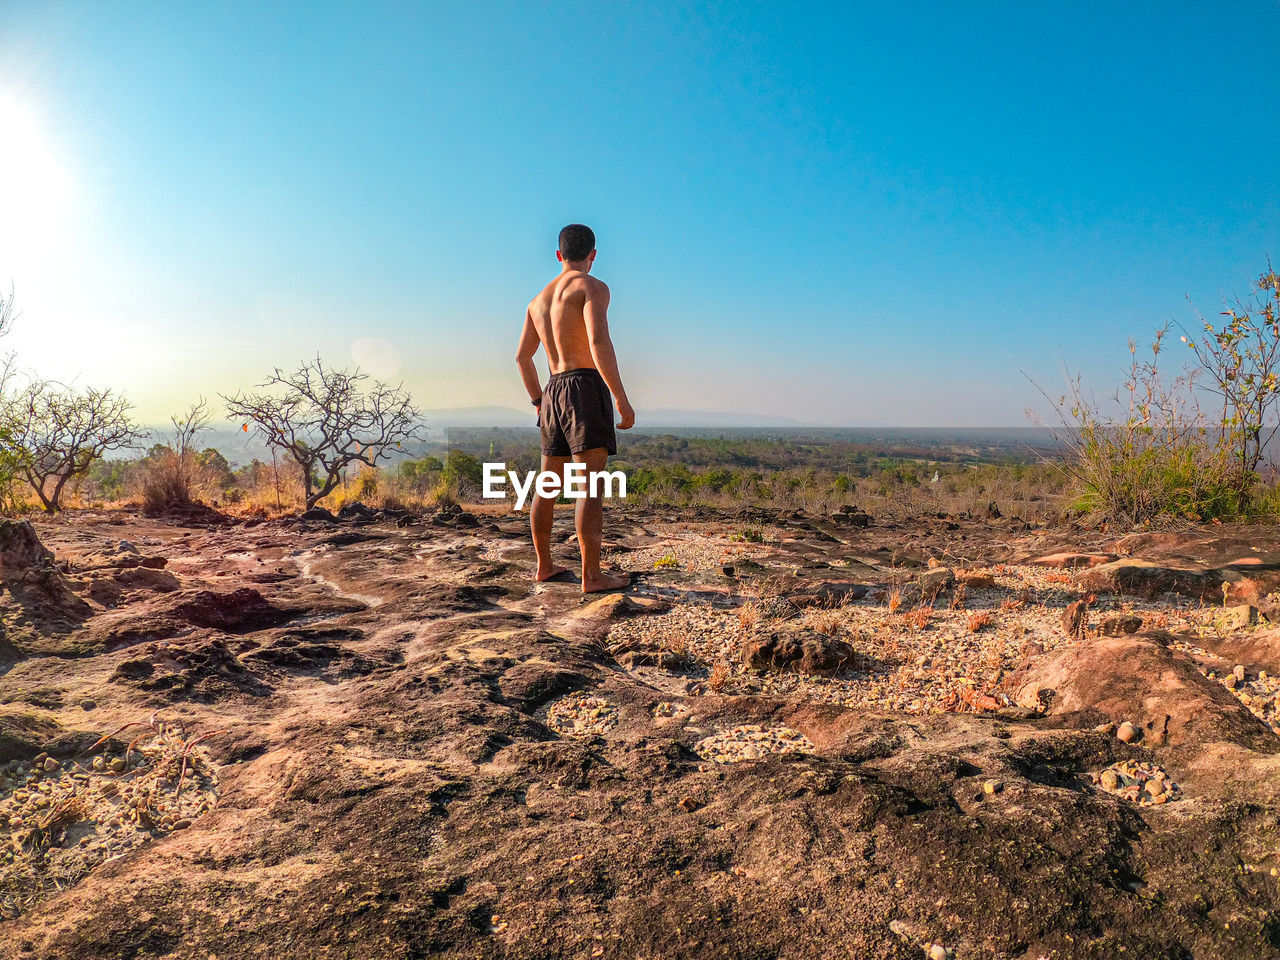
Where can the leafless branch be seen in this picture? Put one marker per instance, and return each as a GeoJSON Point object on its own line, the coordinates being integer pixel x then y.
{"type": "Point", "coordinates": [327, 419]}
{"type": "Point", "coordinates": [56, 433]}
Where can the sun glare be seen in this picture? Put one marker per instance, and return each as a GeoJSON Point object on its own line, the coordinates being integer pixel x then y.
{"type": "Point", "coordinates": [34, 186]}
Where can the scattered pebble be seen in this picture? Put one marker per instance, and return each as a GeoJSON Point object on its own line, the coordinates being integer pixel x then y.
{"type": "Point", "coordinates": [936, 666]}
{"type": "Point", "coordinates": [61, 818]}
{"type": "Point", "coordinates": [1145, 784]}
{"type": "Point", "coordinates": [694, 552]}
{"type": "Point", "coordinates": [1260, 696]}
{"type": "Point", "coordinates": [751, 742]}
{"type": "Point", "coordinates": [667, 710]}
{"type": "Point", "coordinates": [581, 715]}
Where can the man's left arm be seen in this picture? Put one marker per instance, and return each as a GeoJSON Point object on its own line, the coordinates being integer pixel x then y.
{"type": "Point", "coordinates": [529, 344]}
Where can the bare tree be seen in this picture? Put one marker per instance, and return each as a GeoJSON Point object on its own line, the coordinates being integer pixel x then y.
{"type": "Point", "coordinates": [7, 312]}
{"type": "Point", "coordinates": [189, 425]}
{"type": "Point", "coordinates": [172, 474]}
{"type": "Point", "coordinates": [326, 419]}
{"type": "Point", "coordinates": [56, 434]}
{"type": "Point", "coordinates": [1242, 360]}
{"type": "Point", "coordinates": [10, 478]}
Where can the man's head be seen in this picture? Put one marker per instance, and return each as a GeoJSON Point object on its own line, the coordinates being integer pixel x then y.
{"type": "Point", "coordinates": [577, 244]}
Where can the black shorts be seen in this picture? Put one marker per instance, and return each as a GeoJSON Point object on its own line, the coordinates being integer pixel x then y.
{"type": "Point", "coordinates": [576, 414]}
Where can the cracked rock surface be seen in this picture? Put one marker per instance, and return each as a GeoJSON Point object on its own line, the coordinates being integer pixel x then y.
{"type": "Point", "coordinates": [415, 751]}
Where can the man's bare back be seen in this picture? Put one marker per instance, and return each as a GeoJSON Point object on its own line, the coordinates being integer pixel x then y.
{"type": "Point", "coordinates": [558, 315]}
{"type": "Point", "coordinates": [569, 320]}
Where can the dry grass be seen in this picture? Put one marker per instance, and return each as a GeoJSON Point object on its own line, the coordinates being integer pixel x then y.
{"type": "Point", "coordinates": [677, 643]}
{"type": "Point", "coordinates": [920, 617]}
{"type": "Point", "coordinates": [721, 673]}
{"type": "Point", "coordinates": [828, 620]}
{"type": "Point", "coordinates": [979, 621]}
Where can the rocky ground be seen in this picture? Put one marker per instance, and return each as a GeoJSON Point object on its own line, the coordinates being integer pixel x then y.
{"type": "Point", "coordinates": [794, 736]}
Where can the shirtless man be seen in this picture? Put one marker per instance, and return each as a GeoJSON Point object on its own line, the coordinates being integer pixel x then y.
{"type": "Point", "coordinates": [575, 412]}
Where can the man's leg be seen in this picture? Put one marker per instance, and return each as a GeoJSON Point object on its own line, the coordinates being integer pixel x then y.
{"type": "Point", "coordinates": [589, 517]}
{"type": "Point", "coordinates": [541, 513]}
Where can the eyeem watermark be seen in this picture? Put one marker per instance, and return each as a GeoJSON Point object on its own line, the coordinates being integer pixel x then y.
{"type": "Point", "coordinates": [577, 483]}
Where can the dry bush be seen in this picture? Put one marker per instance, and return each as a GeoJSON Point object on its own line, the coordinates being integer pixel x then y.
{"type": "Point", "coordinates": [957, 597]}
{"type": "Point", "coordinates": [273, 487]}
{"type": "Point", "coordinates": [1150, 453]}
{"type": "Point", "coordinates": [677, 643]}
{"type": "Point", "coordinates": [173, 473]}
{"type": "Point", "coordinates": [895, 601]}
{"type": "Point", "coordinates": [980, 620]}
{"type": "Point", "coordinates": [920, 617]}
{"type": "Point", "coordinates": [166, 483]}
{"type": "Point", "coordinates": [720, 674]}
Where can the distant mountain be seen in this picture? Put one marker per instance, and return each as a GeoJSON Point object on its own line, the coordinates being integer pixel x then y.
{"type": "Point", "coordinates": [709, 418]}
{"type": "Point", "coordinates": [478, 417]}
{"type": "Point", "coordinates": [646, 419]}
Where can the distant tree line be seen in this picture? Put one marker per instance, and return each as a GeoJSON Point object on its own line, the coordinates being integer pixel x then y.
{"type": "Point", "coordinates": [320, 419]}
{"type": "Point", "coordinates": [1193, 446]}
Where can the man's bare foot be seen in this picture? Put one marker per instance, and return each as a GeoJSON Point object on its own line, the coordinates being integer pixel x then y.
{"type": "Point", "coordinates": [550, 574]}
{"type": "Point", "coordinates": [604, 581]}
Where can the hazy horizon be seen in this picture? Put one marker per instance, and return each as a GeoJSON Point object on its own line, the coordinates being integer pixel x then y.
{"type": "Point", "coordinates": [806, 212]}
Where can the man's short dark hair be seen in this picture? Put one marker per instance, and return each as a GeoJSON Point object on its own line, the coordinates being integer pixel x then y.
{"type": "Point", "coordinates": [576, 242]}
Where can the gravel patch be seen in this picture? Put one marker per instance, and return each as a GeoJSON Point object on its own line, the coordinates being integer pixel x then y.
{"type": "Point", "coordinates": [58, 821]}
{"type": "Point", "coordinates": [695, 552]}
{"type": "Point", "coordinates": [1145, 784]}
{"type": "Point", "coordinates": [949, 657]}
{"type": "Point", "coordinates": [751, 742]}
{"type": "Point", "coordinates": [581, 715]}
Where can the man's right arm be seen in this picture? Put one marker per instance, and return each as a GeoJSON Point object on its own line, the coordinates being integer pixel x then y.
{"type": "Point", "coordinates": [595, 313]}
{"type": "Point", "coordinates": [529, 344]}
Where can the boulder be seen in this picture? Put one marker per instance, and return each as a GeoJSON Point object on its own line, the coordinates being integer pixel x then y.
{"type": "Point", "coordinates": [21, 549]}
{"type": "Point", "coordinates": [848, 516]}
{"type": "Point", "coordinates": [1258, 648]}
{"type": "Point", "coordinates": [1141, 680]}
{"type": "Point", "coordinates": [356, 511]}
{"type": "Point", "coordinates": [1145, 578]}
{"type": "Point", "coordinates": [318, 513]}
{"type": "Point", "coordinates": [1235, 618]}
{"type": "Point", "coordinates": [36, 584]}
{"type": "Point", "coordinates": [617, 605]}
{"type": "Point", "coordinates": [1075, 619]}
{"type": "Point", "coordinates": [936, 581]}
{"type": "Point", "coordinates": [1070, 561]}
{"type": "Point", "coordinates": [797, 649]}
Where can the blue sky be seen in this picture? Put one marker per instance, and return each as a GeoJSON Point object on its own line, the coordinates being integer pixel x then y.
{"type": "Point", "coordinates": [838, 213]}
